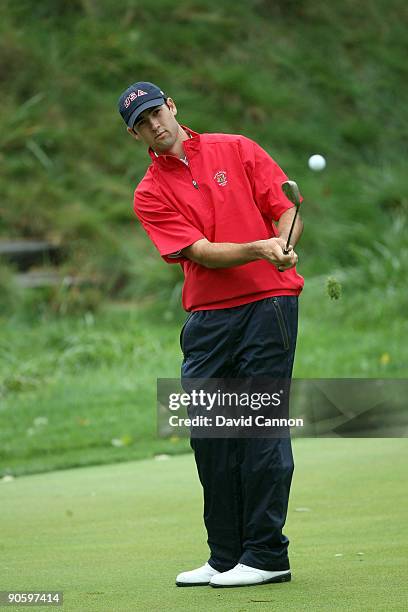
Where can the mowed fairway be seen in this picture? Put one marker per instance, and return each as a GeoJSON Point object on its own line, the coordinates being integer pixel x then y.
{"type": "Point", "coordinates": [114, 537]}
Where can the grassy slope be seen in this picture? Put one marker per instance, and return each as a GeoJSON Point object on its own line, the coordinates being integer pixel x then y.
{"type": "Point", "coordinates": [114, 537]}
{"type": "Point", "coordinates": [299, 77]}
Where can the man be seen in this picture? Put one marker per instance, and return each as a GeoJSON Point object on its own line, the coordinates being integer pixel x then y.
{"type": "Point", "coordinates": [213, 203]}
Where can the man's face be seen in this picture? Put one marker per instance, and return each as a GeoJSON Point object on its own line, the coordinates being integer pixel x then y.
{"type": "Point", "coordinates": [157, 127]}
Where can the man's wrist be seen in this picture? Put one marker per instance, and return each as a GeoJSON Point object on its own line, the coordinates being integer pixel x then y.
{"type": "Point", "coordinates": [257, 249]}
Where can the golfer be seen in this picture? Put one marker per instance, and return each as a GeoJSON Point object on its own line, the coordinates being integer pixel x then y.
{"type": "Point", "coordinates": [213, 204]}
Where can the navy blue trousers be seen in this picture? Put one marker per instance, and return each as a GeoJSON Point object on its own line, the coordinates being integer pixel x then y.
{"type": "Point", "coordinates": [246, 482]}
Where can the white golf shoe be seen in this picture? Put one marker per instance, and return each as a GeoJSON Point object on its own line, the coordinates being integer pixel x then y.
{"type": "Point", "coordinates": [197, 577]}
{"type": "Point", "coordinates": [243, 575]}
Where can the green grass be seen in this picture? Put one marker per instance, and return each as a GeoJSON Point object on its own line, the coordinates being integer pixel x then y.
{"type": "Point", "coordinates": [94, 383]}
{"type": "Point", "coordinates": [114, 537]}
{"type": "Point", "coordinates": [78, 391]}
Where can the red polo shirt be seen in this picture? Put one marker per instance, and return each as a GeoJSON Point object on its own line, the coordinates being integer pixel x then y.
{"type": "Point", "coordinates": [230, 191]}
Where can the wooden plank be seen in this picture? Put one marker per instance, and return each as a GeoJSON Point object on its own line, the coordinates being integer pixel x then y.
{"type": "Point", "coordinates": [26, 253]}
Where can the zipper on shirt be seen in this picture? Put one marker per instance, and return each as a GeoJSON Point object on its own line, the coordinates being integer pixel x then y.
{"type": "Point", "coordinates": [185, 161]}
{"type": "Point", "coordinates": [194, 182]}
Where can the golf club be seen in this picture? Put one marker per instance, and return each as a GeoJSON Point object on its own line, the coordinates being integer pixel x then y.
{"type": "Point", "coordinates": [291, 191]}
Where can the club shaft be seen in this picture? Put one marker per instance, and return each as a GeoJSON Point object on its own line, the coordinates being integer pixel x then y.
{"type": "Point", "coordinates": [286, 249]}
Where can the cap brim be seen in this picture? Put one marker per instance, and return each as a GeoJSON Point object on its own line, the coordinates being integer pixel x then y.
{"type": "Point", "coordinates": [133, 117]}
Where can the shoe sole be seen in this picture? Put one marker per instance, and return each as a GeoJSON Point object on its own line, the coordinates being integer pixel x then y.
{"type": "Point", "coordinates": [191, 584]}
{"type": "Point", "coordinates": [283, 578]}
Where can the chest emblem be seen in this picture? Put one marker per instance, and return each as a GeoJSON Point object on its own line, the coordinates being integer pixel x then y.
{"type": "Point", "coordinates": [221, 178]}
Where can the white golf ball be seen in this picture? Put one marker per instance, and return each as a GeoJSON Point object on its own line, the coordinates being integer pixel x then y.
{"type": "Point", "coordinates": [317, 163]}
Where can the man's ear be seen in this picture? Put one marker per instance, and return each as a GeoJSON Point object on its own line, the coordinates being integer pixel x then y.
{"type": "Point", "coordinates": [170, 104]}
{"type": "Point", "coordinates": [133, 133]}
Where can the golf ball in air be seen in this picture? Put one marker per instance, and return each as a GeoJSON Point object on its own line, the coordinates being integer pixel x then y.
{"type": "Point", "coordinates": [317, 162]}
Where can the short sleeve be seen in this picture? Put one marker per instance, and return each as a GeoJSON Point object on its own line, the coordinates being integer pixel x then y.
{"type": "Point", "coordinates": [167, 228]}
{"type": "Point", "coordinates": [266, 179]}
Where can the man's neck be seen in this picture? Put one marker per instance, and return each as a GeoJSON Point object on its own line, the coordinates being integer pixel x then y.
{"type": "Point", "coordinates": [177, 149]}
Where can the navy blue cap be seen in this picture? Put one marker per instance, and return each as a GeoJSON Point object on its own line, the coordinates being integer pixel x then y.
{"type": "Point", "coordinates": [137, 98]}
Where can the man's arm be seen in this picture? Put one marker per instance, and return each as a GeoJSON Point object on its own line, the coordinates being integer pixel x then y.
{"type": "Point", "coordinates": [230, 254]}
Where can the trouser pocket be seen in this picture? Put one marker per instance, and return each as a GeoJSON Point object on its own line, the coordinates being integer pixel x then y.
{"type": "Point", "coordinates": [183, 328]}
{"type": "Point", "coordinates": [281, 323]}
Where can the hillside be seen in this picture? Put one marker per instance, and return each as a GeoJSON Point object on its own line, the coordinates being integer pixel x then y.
{"type": "Point", "coordinates": [298, 77]}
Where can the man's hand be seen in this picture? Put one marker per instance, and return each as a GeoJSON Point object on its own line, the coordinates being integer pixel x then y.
{"type": "Point", "coordinates": [273, 251]}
